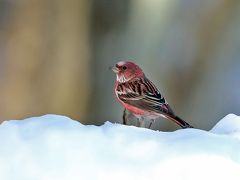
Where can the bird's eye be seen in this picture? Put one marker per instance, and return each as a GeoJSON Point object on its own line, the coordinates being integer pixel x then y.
{"type": "Point", "coordinates": [124, 67]}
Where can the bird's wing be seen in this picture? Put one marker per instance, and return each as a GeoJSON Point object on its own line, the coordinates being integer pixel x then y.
{"type": "Point", "coordinates": [144, 95]}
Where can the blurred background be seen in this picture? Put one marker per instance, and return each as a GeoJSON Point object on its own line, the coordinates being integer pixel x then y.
{"type": "Point", "coordinates": [54, 57]}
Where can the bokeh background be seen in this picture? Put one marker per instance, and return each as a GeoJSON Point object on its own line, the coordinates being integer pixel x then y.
{"type": "Point", "coordinates": [54, 56]}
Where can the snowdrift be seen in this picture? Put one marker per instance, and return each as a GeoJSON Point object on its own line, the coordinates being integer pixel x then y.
{"type": "Point", "coordinates": [53, 147]}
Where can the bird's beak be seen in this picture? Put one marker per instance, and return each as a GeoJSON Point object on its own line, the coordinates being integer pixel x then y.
{"type": "Point", "coordinates": [114, 69]}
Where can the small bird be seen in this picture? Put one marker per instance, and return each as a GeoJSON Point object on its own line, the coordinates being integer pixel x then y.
{"type": "Point", "coordinates": [139, 95]}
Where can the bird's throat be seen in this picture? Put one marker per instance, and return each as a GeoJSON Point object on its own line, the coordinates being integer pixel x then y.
{"type": "Point", "coordinates": [121, 78]}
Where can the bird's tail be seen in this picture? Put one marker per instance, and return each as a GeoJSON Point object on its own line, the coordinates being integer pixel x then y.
{"type": "Point", "coordinates": [180, 122]}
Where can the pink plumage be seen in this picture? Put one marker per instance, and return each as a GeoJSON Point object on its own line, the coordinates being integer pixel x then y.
{"type": "Point", "coordinates": [140, 96]}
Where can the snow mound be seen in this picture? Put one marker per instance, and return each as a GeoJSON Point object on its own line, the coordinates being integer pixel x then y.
{"type": "Point", "coordinates": [229, 125]}
{"type": "Point", "coordinates": [53, 147]}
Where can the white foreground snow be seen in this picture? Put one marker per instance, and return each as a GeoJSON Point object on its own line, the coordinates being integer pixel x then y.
{"type": "Point", "coordinates": [55, 147]}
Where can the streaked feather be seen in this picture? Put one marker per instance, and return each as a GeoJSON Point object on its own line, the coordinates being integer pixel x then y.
{"type": "Point", "coordinates": [142, 94]}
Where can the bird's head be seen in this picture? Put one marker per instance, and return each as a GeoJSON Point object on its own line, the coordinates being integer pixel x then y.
{"type": "Point", "coordinates": [127, 71]}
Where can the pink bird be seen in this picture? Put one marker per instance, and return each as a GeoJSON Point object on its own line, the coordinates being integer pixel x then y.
{"type": "Point", "coordinates": [140, 96]}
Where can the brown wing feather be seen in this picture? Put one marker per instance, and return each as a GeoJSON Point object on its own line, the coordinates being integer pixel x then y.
{"type": "Point", "coordinates": [144, 95]}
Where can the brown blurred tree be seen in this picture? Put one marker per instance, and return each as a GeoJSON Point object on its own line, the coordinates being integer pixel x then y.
{"type": "Point", "coordinates": [46, 68]}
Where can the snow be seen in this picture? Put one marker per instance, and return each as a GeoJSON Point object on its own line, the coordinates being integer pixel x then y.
{"type": "Point", "coordinates": [54, 147]}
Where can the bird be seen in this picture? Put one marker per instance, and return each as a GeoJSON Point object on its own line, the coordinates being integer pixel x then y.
{"type": "Point", "coordinates": [139, 96]}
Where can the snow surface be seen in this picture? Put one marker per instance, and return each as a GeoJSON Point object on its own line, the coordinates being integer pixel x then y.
{"type": "Point", "coordinates": [53, 147]}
